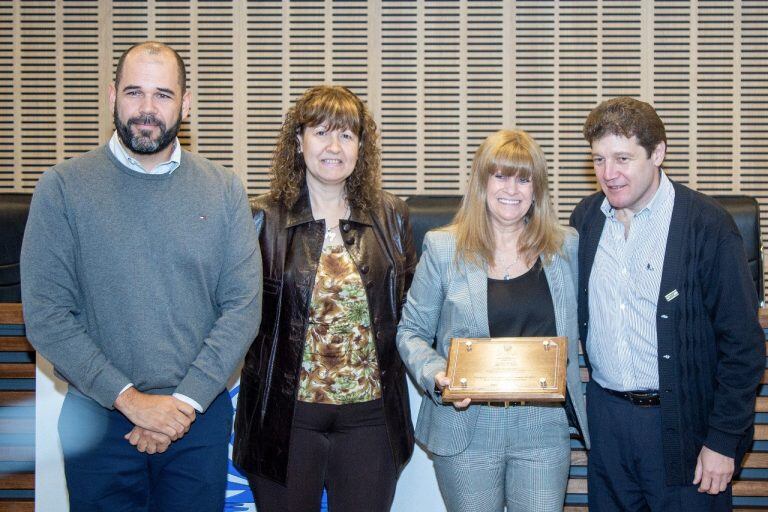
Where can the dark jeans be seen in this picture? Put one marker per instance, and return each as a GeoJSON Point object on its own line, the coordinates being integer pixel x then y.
{"type": "Point", "coordinates": [626, 462]}
{"type": "Point", "coordinates": [105, 473]}
{"type": "Point", "coordinates": [343, 448]}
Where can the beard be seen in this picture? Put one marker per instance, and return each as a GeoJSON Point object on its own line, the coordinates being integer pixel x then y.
{"type": "Point", "coordinates": [143, 143]}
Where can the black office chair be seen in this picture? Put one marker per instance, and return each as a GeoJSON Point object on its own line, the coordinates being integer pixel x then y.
{"type": "Point", "coordinates": [14, 209]}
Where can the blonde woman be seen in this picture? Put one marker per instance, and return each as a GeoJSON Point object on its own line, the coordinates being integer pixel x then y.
{"type": "Point", "coordinates": [504, 267]}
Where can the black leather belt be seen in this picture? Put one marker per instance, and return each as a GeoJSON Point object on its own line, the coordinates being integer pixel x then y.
{"type": "Point", "coordinates": [502, 404]}
{"type": "Point", "coordinates": [648, 398]}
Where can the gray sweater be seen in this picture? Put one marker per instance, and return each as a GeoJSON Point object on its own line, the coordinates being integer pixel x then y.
{"type": "Point", "coordinates": [131, 277]}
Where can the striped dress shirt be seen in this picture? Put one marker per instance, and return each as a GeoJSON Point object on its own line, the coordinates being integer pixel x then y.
{"type": "Point", "coordinates": [623, 295]}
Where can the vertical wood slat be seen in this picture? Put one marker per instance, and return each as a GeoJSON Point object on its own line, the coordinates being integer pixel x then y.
{"type": "Point", "coordinates": [286, 56]}
{"type": "Point", "coordinates": [599, 51]}
{"type": "Point", "coordinates": [374, 60]}
{"type": "Point", "coordinates": [462, 170]}
{"type": "Point", "coordinates": [509, 83]}
{"type": "Point", "coordinates": [59, 79]}
{"type": "Point", "coordinates": [693, 96]}
{"type": "Point", "coordinates": [193, 73]}
{"type": "Point", "coordinates": [16, 93]}
{"type": "Point", "coordinates": [420, 94]}
{"type": "Point", "coordinates": [328, 42]}
{"type": "Point", "coordinates": [736, 93]}
{"type": "Point", "coordinates": [240, 90]}
{"type": "Point", "coordinates": [646, 52]}
{"type": "Point", "coordinates": [151, 20]}
{"type": "Point", "coordinates": [554, 183]}
{"type": "Point", "coordinates": [106, 67]}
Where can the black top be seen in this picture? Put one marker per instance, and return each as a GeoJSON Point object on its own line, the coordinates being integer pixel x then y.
{"type": "Point", "coordinates": [521, 306]}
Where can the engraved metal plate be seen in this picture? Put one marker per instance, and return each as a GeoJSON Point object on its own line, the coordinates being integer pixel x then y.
{"type": "Point", "coordinates": [507, 369]}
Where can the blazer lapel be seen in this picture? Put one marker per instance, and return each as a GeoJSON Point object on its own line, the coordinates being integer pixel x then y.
{"type": "Point", "coordinates": [554, 273]}
{"type": "Point", "coordinates": [477, 283]}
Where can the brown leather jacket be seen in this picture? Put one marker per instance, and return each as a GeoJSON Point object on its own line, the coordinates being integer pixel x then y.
{"type": "Point", "coordinates": [380, 243]}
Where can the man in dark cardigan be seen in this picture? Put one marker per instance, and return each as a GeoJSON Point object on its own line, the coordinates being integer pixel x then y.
{"type": "Point", "coordinates": [668, 319]}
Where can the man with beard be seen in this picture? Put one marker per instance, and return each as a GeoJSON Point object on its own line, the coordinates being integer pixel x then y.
{"type": "Point", "coordinates": [141, 281]}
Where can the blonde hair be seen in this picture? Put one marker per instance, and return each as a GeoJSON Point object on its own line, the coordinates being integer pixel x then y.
{"type": "Point", "coordinates": [511, 153]}
{"type": "Point", "coordinates": [338, 108]}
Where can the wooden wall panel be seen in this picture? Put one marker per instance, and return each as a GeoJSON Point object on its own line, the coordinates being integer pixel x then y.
{"type": "Point", "coordinates": [265, 93]}
{"type": "Point", "coordinates": [752, 128]}
{"type": "Point", "coordinates": [80, 94]}
{"type": "Point", "coordinates": [36, 79]}
{"type": "Point", "coordinates": [402, 89]}
{"type": "Point", "coordinates": [439, 74]}
{"type": "Point", "coordinates": [674, 60]}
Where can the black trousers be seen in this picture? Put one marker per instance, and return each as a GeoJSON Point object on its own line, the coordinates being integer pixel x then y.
{"type": "Point", "coordinates": [342, 448]}
{"type": "Point", "coordinates": [626, 463]}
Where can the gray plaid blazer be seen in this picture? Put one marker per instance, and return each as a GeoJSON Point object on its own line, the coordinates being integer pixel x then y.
{"type": "Point", "coordinates": [448, 300]}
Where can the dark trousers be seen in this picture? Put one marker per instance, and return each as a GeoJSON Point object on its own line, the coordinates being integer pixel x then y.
{"type": "Point", "coordinates": [105, 473]}
{"type": "Point", "coordinates": [343, 448]}
{"type": "Point", "coordinates": [626, 463]}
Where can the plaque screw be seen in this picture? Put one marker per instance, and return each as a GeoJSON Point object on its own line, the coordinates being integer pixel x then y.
{"type": "Point", "coordinates": [469, 345]}
{"type": "Point", "coordinates": [546, 344]}
{"type": "Point", "coordinates": [463, 382]}
{"type": "Point", "coordinates": [543, 382]}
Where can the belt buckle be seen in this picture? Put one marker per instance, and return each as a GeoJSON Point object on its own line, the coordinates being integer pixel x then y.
{"type": "Point", "coordinates": [504, 403]}
{"type": "Point", "coordinates": [643, 399]}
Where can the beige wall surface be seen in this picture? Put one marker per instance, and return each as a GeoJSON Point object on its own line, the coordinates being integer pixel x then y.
{"type": "Point", "coordinates": [439, 75]}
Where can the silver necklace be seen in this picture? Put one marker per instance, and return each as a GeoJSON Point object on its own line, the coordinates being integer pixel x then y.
{"type": "Point", "coordinates": [330, 232]}
{"type": "Point", "coordinates": [506, 269]}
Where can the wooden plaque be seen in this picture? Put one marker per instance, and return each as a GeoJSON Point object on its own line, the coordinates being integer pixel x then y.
{"type": "Point", "coordinates": [507, 369]}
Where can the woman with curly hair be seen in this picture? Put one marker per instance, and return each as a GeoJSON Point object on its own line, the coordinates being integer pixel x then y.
{"type": "Point", "coordinates": [323, 401]}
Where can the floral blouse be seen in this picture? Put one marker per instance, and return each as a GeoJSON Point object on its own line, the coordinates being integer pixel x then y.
{"type": "Point", "coordinates": [339, 364]}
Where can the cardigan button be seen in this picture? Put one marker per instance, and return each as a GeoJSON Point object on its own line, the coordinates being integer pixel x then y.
{"type": "Point", "coordinates": [350, 240]}
{"type": "Point", "coordinates": [346, 227]}
{"type": "Point", "coordinates": [364, 269]}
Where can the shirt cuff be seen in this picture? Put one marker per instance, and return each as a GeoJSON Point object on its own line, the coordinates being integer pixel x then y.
{"type": "Point", "coordinates": [189, 401]}
{"type": "Point", "coordinates": [126, 388]}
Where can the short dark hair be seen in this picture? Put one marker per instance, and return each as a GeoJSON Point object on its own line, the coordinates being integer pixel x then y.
{"type": "Point", "coordinates": [627, 117]}
{"type": "Point", "coordinates": [153, 48]}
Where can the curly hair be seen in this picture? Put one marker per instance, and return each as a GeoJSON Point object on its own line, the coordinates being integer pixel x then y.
{"type": "Point", "coordinates": [629, 118]}
{"type": "Point", "coordinates": [338, 108]}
